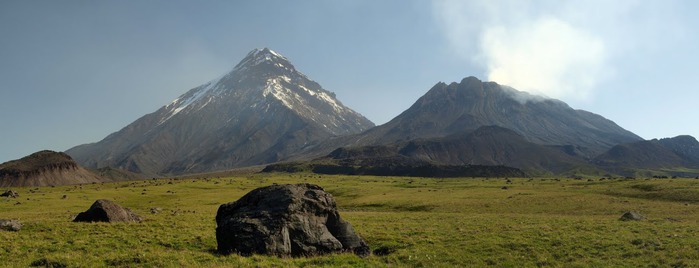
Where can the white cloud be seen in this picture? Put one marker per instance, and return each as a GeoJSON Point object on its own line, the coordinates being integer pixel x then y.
{"type": "Point", "coordinates": [535, 46]}
{"type": "Point", "coordinates": [547, 57]}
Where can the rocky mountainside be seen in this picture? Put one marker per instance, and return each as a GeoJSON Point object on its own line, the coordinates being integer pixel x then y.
{"type": "Point", "coordinates": [466, 106]}
{"type": "Point", "coordinates": [684, 146]}
{"type": "Point", "coordinates": [45, 168]}
{"type": "Point", "coordinates": [260, 112]}
{"type": "Point", "coordinates": [676, 155]}
{"type": "Point", "coordinates": [493, 145]}
{"type": "Point", "coordinates": [486, 146]}
{"type": "Point", "coordinates": [484, 123]}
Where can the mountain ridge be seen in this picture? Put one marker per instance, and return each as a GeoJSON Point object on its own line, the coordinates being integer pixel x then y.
{"type": "Point", "coordinates": [448, 109]}
{"type": "Point", "coordinates": [677, 156]}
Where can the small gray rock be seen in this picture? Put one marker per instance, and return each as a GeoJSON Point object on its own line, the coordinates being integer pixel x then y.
{"type": "Point", "coordinates": [10, 225]}
{"type": "Point", "coordinates": [631, 216]}
{"type": "Point", "coordinates": [10, 193]}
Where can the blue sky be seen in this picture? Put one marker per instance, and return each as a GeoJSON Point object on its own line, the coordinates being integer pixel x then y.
{"type": "Point", "coordinates": [72, 72]}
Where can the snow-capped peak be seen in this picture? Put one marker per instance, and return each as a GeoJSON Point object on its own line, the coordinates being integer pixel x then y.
{"type": "Point", "coordinates": [265, 78]}
{"type": "Point", "coordinates": [260, 55]}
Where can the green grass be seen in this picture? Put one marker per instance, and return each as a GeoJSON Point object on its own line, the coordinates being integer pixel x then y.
{"type": "Point", "coordinates": [422, 222]}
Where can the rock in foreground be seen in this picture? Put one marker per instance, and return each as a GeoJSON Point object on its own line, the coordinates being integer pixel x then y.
{"type": "Point", "coordinates": [107, 211]}
{"type": "Point", "coordinates": [285, 220]}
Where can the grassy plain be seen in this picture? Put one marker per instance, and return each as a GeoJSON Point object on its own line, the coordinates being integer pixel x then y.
{"type": "Point", "coordinates": [422, 222]}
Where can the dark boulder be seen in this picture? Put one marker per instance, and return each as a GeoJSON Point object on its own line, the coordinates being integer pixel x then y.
{"type": "Point", "coordinates": [9, 193]}
{"type": "Point", "coordinates": [107, 211]}
{"type": "Point", "coordinates": [285, 220]}
{"type": "Point", "coordinates": [10, 225]}
{"type": "Point", "coordinates": [631, 216]}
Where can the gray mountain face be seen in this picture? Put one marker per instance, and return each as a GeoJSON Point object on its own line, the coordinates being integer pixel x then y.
{"type": "Point", "coordinates": [685, 146]}
{"type": "Point", "coordinates": [668, 153]}
{"type": "Point", "coordinates": [464, 107]}
{"type": "Point", "coordinates": [260, 112]}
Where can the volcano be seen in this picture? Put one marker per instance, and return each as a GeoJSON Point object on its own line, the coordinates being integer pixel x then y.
{"type": "Point", "coordinates": [260, 112]}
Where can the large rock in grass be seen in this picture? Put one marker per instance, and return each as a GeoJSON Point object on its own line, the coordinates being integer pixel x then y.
{"type": "Point", "coordinates": [285, 220]}
{"type": "Point", "coordinates": [104, 210]}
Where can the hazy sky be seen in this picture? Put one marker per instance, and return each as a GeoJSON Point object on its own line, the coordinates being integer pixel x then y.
{"type": "Point", "coordinates": [72, 72]}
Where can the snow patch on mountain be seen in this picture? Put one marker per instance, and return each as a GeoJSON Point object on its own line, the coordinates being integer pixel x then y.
{"type": "Point", "coordinates": [208, 89]}
{"type": "Point", "coordinates": [280, 92]}
{"type": "Point", "coordinates": [292, 99]}
{"type": "Point", "coordinates": [336, 106]}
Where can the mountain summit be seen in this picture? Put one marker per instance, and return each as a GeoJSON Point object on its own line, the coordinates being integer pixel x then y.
{"type": "Point", "coordinates": [260, 112]}
{"type": "Point", "coordinates": [466, 106]}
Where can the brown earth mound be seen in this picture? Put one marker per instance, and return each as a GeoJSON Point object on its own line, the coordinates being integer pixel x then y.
{"type": "Point", "coordinates": [44, 168]}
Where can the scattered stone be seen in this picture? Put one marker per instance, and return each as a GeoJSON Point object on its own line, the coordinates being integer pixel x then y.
{"type": "Point", "coordinates": [104, 210]}
{"type": "Point", "coordinates": [504, 187]}
{"type": "Point", "coordinates": [48, 263]}
{"type": "Point", "coordinates": [155, 210]}
{"type": "Point", "coordinates": [631, 216]}
{"type": "Point", "coordinates": [10, 225]}
{"type": "Point", "coordinates": [9, 193]}
{"type": "Point", "coordinates": [285, 220]}
{"type": "Point", "coordinates": [383, 251]}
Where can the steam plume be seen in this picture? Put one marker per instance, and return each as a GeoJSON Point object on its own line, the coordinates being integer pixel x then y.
{"type": "Point", "coordinates": [526, 46]}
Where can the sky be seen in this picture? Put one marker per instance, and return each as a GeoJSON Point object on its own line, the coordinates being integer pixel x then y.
{"type": "Point", "coordinates": [72, 72]}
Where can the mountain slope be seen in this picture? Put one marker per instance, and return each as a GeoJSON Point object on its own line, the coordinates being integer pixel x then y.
{"type": "Point", "coordinates": [486, 146]}
{"type": "Point", "coordinates": [260, 112]}
{"type": "Point", "coordinates": [464, 107]}
{"type": "Point", "coordinates": [684, 146]}
{"type": "Point", "coordinates": [45, 168]}
{"type": "Point", "coordinates": [493, 145]}
{"type": "Point", "coordinates": [678, 153]}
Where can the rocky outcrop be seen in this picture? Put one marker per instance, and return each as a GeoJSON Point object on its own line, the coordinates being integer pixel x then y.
{"type": "Point", "coordinates": [104, 210]}
{"type": "Point", "coordinates": [285, 220]}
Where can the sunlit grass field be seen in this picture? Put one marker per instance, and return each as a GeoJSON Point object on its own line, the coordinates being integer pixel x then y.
{"type": "Point", "coordinates": [420, 222]}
